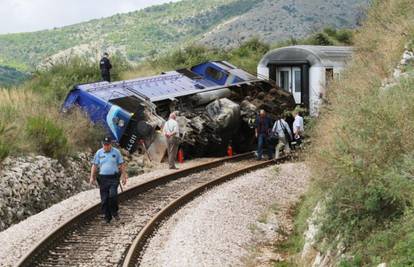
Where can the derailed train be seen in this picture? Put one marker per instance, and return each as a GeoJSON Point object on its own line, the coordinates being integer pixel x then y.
{"type": "Point", "coordinates": [216, 104]}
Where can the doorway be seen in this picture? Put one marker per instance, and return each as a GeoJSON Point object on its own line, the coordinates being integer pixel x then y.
{"type": "Point", "coordinates": [290, 79]}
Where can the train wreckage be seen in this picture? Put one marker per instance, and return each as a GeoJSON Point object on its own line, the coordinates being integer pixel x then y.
{"type": "Point", "coordinates": [216, 104]}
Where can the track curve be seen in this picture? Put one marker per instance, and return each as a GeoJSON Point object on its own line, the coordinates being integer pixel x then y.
{"type": "Point", "coordinates": [85, 240]}
{"type": "Point", "coordinates": [137, 248]}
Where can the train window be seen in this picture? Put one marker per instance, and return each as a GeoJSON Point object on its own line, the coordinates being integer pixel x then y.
{"type": "Point", "coordinates": [213, 73]}
{"type": "Point", "coordinates": [329, 75]}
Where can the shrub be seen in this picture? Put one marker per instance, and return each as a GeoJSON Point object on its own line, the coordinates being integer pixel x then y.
{"type": "Point", "coordinates": [50, 138]}
{"type": "Point", "coordinates": [81, 133]}
{"type": "Point", "coordinates": [4, 140]}
{"type": "Point", "coordinates": [345, 36]}
{"type": "Point", "coordinates": [4, 151]}
{"type": "Point", "coordinates": [322, 39]}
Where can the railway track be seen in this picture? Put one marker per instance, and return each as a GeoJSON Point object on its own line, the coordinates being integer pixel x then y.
{"type": "Point", "coordinates": [86, 240]}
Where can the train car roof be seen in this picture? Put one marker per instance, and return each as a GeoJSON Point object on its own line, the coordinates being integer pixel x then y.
{"type": "Point", "coordinates": [203, 77]}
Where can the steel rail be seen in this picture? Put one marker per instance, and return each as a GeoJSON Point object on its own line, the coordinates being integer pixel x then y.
{"type": "Point", "coordinates": [76, 221]}
{"type": "Point", "coordinates": [137, 247]}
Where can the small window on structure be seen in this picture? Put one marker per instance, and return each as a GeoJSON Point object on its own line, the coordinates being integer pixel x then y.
{"type": "Point", "coordinates": [213, 73]}
{"type": "Point", "coordinates": [284, 80]}
{"type": "Point", "coordinates": [329, 76]}
{"type": "Point", "coordinates": [298, 81]}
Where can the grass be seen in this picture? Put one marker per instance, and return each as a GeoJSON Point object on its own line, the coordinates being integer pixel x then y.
{"type": "Point", "coordinates": [362, 155]}
{"type": "Point", "coordinates": [30, 116]}
{"type": "Point", "coordinates": [293, 246]}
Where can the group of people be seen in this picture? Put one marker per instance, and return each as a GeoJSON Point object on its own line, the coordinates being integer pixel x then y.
{"type": "Point", "coordinates": [278, 135]}
{"type": "Point", "coordinates": [108, 167]}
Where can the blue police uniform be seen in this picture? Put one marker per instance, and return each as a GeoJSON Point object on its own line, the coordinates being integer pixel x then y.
{"type": "Point", "coordinates": [108, 180]}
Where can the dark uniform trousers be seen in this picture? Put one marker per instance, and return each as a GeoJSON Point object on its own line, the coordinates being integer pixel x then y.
{"type": "Point", "coordinates": [105, 66]}
{"type": "Point", "coordinates": [106, 76]}
{"type": "Point", "coordinates": [108, 186]}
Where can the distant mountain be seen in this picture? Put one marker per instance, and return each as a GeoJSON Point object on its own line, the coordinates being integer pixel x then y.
{"type": "Point", "coordinates": [10, 76]}
{"type": "Point", "coordinates": [284, 19]}
{"type": "Point", "coordinates": [164, 27]}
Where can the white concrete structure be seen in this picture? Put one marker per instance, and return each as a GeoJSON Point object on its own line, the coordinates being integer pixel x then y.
{"type": "Point", "coordinates": [304, 70]}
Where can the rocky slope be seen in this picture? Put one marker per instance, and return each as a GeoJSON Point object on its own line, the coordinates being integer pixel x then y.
{"type": "Point", "coordinates": [280, 20]}
{"type": "Point", "coordinates": [30, 184]}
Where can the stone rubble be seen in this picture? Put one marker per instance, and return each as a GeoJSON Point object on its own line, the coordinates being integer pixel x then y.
{"type": "Point", "coordinates": [31, 184]}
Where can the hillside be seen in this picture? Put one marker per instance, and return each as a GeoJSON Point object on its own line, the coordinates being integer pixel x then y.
{"type": "Point", "coordinates": [160, 28]}
{"type": "Point", "coordinates": [285, 19]}
{"type": "Point", "coordinates": [10, 76]}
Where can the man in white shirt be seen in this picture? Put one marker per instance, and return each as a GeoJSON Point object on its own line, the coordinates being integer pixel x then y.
{"type": "Point", "coordinates": [171, 132]}
{"type": "Point", "coordinates": [298, 126]}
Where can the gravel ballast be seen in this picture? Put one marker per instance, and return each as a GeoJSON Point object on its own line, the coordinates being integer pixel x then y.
{"type": "Point", "coordinates": [219, 227]}
{"type": "Point", "coordinates": [18, 239]}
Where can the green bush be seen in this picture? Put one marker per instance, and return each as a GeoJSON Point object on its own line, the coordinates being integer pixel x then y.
{"type": "Point", "coordinates": [50, 138]}
{"type": "Point", "coordinates": [345, 36]}
{"type": "Point", "coordinates": [4, 151]}
{"type": "Point", "coordinates": [322, 39]}
{"type": "Point", "coordinates": [4, 142]}
{"type": "Point", "coordinates": [356, 207]}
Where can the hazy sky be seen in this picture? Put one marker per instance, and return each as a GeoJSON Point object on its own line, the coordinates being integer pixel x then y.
{"type": "Point", "coordinates": [32, 15]}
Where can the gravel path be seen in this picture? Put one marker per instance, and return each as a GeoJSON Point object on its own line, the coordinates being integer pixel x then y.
{"type": "Point", "coordinates": [18, 239]}
{"type": "Point", "coordinates": [218, 228]}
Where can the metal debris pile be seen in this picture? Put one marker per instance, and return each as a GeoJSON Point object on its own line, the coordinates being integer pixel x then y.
{"type": "Point", "coordinates": [230, 119]}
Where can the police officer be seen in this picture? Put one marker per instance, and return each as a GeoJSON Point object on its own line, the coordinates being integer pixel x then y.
{"type": "Point", "coordinates": [108, 160]}
{"type": "Point", "coordinates": [105, 66]}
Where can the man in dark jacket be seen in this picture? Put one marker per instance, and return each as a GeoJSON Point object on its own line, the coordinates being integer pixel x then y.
{"type": "Point", "coordinates": [263, 128]}
{"type": "Point", "coordinates": [105, 66]}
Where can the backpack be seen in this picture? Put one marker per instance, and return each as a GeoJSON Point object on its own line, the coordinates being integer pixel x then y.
{"type": "Point", "coordinates": [287, 135]}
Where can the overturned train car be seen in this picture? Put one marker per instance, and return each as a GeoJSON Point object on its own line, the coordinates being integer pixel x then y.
{"type": "Point", "coordinates": [216, 104]}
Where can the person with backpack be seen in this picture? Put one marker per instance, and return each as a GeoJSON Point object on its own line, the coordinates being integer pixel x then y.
{"type": "Point", "coordinates": [282, 130]}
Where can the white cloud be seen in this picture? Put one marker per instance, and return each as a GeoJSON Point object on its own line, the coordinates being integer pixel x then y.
{"type": "Point", "coordinates": [32, 15]}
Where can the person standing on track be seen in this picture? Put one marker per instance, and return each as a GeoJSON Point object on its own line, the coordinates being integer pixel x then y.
{"type": "Point", "coordinates": [108, 160]}
{"type": "Point", "coordinates": [105, 66]}
{"type": "Point", "coordinates": [282, 130]}
{"type": "Point", "coordinates": [298, 128]}
{"type": "Point", "coordinates": [263, 127]}
{"type": "Point", "coordinates": [172, 133]}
